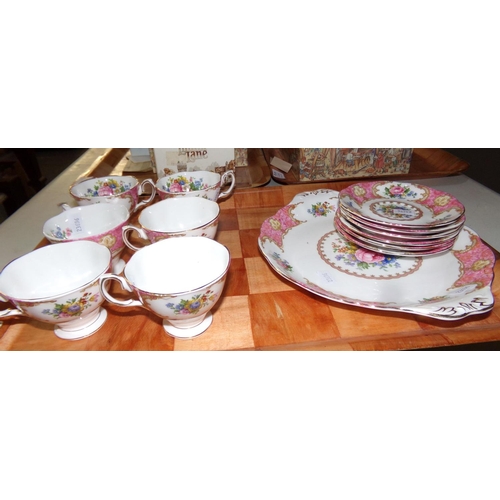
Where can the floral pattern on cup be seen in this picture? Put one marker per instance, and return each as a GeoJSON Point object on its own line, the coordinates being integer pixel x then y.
{"type": "Point", "coordinates": [61, 234]}
{"type": "Point", "coordinates": [107, 187]}
{"type": "Point", "coordinates": [73, 307]}
{"type": "Point", "coordinates": [183, 184]}
{"type": "Point", "coordinates": [193, 305]}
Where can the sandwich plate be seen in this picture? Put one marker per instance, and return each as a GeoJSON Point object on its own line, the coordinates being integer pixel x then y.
{"type": "Point", "coordinates": [300, 242]}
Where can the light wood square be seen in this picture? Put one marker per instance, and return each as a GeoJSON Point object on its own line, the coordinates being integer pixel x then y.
{"type": "Point", "coordinates": [230, 328]}
{"type": "Point", "coordinates": [231, 239]}
{"type": "Point", "coordinates": [253, 218]}
{"type": "Point", "coordinates": [261, 279]}
{"type": "Point", "coordinates": [362, 322]}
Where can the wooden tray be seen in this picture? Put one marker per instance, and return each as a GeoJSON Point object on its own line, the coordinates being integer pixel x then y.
{"type": "Point", "coordinates": [260, 310]}
{"type": "Point", "coordinates": [425, 162]}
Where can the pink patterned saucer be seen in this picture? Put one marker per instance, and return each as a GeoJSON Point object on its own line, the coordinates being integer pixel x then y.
{"type": "Point", "coordinates": [400, 204]}
{"type": "Point", "coordinates": [409, 244]}
{"type": "Point", "coordinates": [403, 230]}
{"type": "Point", "coordinates": [396, 236]}
{"type": "Point", "coordinates": [389, 249]}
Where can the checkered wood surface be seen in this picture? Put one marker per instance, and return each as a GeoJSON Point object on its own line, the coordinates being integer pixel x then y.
{"type": "Point", "coordinates": [259, 310]}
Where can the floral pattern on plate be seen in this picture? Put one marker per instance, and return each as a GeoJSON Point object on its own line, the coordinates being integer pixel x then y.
{"type": "Point", "coordinates": [351, 259]}
{"type": "Point", "coordinates": [321, 209]}
{"type": "Point", "coordinates": [477, 262]}
{"type": "Point", "coordinates": [307, 250]}
{"type": "Point", "coordinates": [275, 228]}
{"type": "Point", "coordinates": [414, 203]}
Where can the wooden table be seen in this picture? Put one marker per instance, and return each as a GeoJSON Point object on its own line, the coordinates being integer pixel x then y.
{"type": "Point", "coordinates": [259, 310]}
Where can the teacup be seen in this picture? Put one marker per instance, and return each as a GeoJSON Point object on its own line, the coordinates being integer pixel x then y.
{"type": "Point", "coordinates": [175, 217]}
{"type": "Point", "coordinates": [203, 184]}
{"type": "Point", "coordinates": [58, 284]}
{"type": "Point", "coordinates": [178, 279]}
{"type": "Point", "coordinates": [119, 189]}
{"type": "Point", "coordinates": [101, 222]}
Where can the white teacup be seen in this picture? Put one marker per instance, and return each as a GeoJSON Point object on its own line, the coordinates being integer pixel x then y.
{"type": "Point", "coordinates": [102, 223]}
{"type": "Point", "coordinates": [175, 217]}
{"type": "Point", "coordinates": [204, 184]}
{"type": "Point", "coordinates": [58, 284]}
{"type": "Point", "coordinates": [119, 189]}
{"type": "Point", "coordinates": [178, 279]}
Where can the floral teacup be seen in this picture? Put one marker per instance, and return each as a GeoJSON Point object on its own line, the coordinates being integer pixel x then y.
{"type": "Point", "coordinates": [203, 184]}
{"type": "Point", "coordinates": [178, 279]}
{"type": "Point", "coordinates": [101, 222]}
{"type": "Point", "coordinates": [58, 284]}
{"type": "Point", "coordinates": [175, 217]}
{"type": "Point", "coordinates": [119, 189]}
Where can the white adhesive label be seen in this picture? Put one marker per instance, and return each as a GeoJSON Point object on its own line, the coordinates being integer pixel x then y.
{"type": "Point", "coordinates": [78, 225]}
{"type": "Point", "coordinates": [281, 164]}
{"type": "Point", "coordinates": [325, 279]}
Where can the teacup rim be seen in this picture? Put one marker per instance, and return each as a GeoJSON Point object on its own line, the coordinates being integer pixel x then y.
{"type": "Point", "coordinates": [178, 200]}
{"type": "Point", "coordinates": [86, 179]}
{"type": "Point", "coordinates": [81, 208]}
{"type": "Point", "coordinates": [186, 291]}
{"type": "Point", "coordinates": [176, 174]}
{"type": "Point", "coordinates": [66, 292]}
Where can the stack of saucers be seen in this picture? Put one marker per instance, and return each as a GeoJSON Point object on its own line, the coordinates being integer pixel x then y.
{"type": "Point", "coordinates": [399, 218]}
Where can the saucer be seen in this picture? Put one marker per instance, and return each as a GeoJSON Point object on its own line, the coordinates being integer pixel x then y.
{"type": "Point", "coordinates": [401, 204]}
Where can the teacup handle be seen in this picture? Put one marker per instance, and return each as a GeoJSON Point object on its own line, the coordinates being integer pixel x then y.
{"type": "Point", "coordinates": [123, 282]}
{"type": "Point", "coordinates": [229, 175]}
{"type": "Point", "coordinates": [7, 313]}
{"type": "Point", "coordinates": [141, 191]}
{"type": "Point", "coordinates": [126, 230]}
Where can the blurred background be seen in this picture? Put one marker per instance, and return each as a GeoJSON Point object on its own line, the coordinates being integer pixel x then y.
{"type": "Point", "coordinates": [23, 172]}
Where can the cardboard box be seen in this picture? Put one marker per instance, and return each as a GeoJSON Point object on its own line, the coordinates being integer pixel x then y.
{"type": "Point", "coordinates": [168, 161]}
{"type": "Point", "coordinates": [323, 164]}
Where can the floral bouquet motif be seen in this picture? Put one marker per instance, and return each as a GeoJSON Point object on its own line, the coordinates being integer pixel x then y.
{"type": "Point", "coordinates": [108, 187]}
{"type": "Point", "coordinates": [182, 184]}
{"type": "Point", "coordinates": [73, 307]}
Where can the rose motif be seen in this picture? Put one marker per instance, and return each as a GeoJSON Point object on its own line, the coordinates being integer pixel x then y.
{"type": "Point", "coordinates": [442, 201]}
{"type": "Point", "coordinates": [367, 256]}
{"type": "Point", "coordinates": [397, 190]}
{"type": "Point", "coordinates": [105, 190]}
{"type": "Point", "coordinates": [175, 187]}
